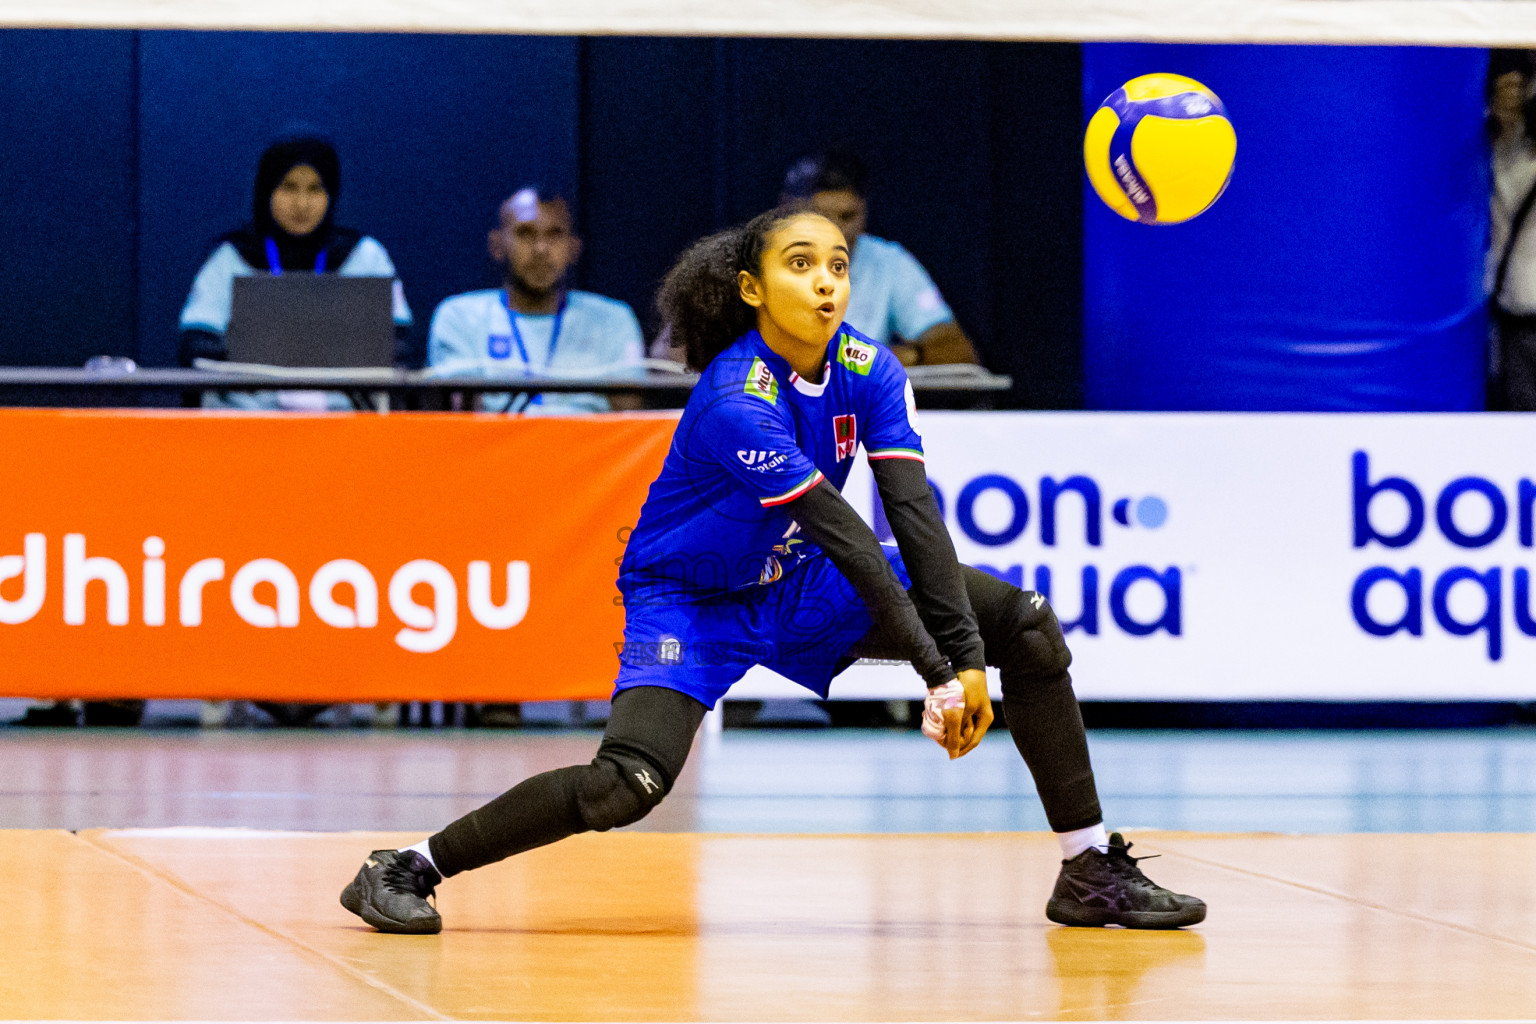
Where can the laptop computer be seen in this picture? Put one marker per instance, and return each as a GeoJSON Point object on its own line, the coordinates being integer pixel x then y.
{"type": "Point", "coordinates": [312, 320]}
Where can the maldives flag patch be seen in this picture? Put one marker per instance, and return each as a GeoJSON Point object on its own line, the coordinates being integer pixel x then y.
{"type": "Point", "coordinates": [846, 430]}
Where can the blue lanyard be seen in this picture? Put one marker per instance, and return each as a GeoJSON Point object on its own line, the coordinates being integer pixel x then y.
{"type": "Point", "coordinates": [517, 335]}
{"type": "Point", "coordinates": [276, 264]}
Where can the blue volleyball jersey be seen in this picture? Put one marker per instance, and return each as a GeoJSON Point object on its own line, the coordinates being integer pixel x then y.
{"type": "Point", "coordinates": [754, 437]}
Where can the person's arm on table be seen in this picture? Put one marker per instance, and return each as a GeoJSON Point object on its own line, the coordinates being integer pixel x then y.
{"type": "Point", "coordinates": [941, 343]}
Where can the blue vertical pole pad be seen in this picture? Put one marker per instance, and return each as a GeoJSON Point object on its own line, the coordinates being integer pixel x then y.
{"type": "Point", "coordinates": [1341, 270]}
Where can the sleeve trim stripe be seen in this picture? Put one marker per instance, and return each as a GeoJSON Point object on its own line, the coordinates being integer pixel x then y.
{"type": "Point", "coordinates": [794, 492]}
{"type": "Point", "coordinates": [897, 453]}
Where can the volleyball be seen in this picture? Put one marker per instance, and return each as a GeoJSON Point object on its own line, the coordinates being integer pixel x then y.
{"type": "Point", "coordinates": [1159, 149]}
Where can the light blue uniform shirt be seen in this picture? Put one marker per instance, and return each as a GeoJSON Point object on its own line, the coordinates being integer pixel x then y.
{"type": "Point", "coordinates": [599, 337]}
{"type": "Point", "coordinates": [208, 309]}
{"type": "Point", "coordinates": [890, 292]}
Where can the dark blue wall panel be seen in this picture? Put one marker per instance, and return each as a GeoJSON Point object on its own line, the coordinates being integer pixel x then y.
{"type": "Point", "coordinates": [970, 146]}
{"type": "Point", "coordinates": [1037, 213]}
{"type": "Point", "coordinates": [1341, 270]}
{"type": "Point", "coordinates": [916, 111]}
{"type": "Point", "coordinates": [648, 162]}
{"type": "Point", "coordinates": [67, 230]}
{"type": "Point", "coordinates": [433, 132]}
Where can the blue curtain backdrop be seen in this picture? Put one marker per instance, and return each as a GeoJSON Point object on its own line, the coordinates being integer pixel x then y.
{"type": "Point", "coordinates": [1342, 268]}
{"type": "Point", "coordinates": [68, 181]}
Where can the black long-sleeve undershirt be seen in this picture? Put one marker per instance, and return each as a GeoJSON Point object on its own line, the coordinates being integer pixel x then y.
{"type": "Point", "coordinates": [829, 521]}
{"type": "Point", "coordinates": [938, 587]}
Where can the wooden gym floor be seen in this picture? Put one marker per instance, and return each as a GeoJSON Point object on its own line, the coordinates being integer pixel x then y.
{"type": "Point", "coordinates": [225, 924]}
{"type": "Point", "coordinates": [1411, 895]}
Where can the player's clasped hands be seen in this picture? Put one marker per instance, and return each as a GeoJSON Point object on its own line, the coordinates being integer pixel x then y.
{"type": "Point", "coordinates": [958, 714]}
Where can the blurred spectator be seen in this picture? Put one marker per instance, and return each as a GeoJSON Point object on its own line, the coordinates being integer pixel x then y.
{"type": "Point", "coordinates": [70, 713]}
{"type": "Point", "coordinates": [298, 180]}
{"type": "Point", "coordinates": [533, 323]}
{"type": "Point", "coordinates": [893, 300]}
{"type": "Point", "coordinates": [1511, 264]}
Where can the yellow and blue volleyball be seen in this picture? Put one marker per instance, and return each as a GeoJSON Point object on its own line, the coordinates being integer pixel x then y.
{"type": "Point", "coordinates": [1159, 149]}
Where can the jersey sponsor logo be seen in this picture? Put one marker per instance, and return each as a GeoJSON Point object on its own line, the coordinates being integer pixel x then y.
{"type": "Point", "coordinates": [669, 651]}
{"type": "Point", "coordinates": [846, 431]}
{"type": "Point", "coordinates": [787, 550]}
{"type": "Point", "coordinates": [856, 355]}
{"type": "Point", "coordinates": [761, 461]}
{"type": "Point", "coordinates": [499, 346]}
{"type": "Point", "coordinates": [760, 382]}
{"type": "Point", "coordinates": [786, 547]}
{"type": "Point", "coordinates": [644, 776]}
{"type": "Point", "coordinates": [912, 410]}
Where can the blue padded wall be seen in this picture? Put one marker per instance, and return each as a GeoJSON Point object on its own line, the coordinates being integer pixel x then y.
{"type": "Point", "coordinates": [67, 180]}
{"type": "Point", "coordinates": [1342, 268]}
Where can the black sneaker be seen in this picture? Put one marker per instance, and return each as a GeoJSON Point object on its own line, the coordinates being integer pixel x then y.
{"type": "Point", "coordinates": [390, 892]}
{"type": "Point", "coordinates": [1095, 889]}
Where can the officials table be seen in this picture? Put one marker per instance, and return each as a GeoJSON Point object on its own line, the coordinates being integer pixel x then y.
{"type": "Point", "coordinates": [378, 388]}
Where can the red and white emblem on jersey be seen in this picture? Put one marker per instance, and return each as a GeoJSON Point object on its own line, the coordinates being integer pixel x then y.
{"type": "Point", "coordinates": [846, 430]}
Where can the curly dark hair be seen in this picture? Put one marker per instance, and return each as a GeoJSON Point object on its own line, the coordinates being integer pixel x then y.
{"type": "Point", "coordinates": [700, 299]}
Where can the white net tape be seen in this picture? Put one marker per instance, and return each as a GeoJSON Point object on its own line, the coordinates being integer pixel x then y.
{"type": "Point", "coordinates": [1435, 22]}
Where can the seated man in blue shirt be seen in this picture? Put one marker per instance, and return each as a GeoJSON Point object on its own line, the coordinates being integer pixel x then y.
{"type": "Point", "coordinates": [892, 298]}
{"type": "Point", "coordinates": [533, 324]}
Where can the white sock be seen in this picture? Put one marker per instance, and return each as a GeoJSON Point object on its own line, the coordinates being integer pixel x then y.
{"type": "Point", "coordinates": [425, 849]}
{"type": "Point", "coordinates": [1074, 843]}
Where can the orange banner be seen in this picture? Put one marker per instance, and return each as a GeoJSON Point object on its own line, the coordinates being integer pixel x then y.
{"type": "Point", "coordinates": [297, 557]}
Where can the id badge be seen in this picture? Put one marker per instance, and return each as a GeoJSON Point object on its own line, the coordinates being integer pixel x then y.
{"type": "Point", "coordinates": [499, 346]}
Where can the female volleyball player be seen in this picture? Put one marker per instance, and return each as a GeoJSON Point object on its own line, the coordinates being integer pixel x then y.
{"type": "Point", "coordinates": [746, 553]}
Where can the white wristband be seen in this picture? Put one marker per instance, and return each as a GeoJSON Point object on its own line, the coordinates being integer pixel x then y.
{"type": "Point", "coordinates": [940, 699]}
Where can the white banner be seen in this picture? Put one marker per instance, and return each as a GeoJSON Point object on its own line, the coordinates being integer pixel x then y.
{"type": "Point", "coordinates": [1420, 22]}
{"type": "Point", "coordinates": [1246, 557]}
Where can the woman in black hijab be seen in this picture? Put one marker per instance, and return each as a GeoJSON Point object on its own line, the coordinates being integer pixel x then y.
{"type": "Point", "coordinates": [293, 211]}
{"type": "Point", "coordinates": [292, 230]}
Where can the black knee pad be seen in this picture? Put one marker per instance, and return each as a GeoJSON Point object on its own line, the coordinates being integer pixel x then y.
{"type": "Point", "coordinates": [618, 789]}
{"type": "Point", "coordinates": [1034, 649]}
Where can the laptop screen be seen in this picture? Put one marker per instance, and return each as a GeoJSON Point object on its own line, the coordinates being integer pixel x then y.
{"type": "Point", "coordinates": [312, 320]}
